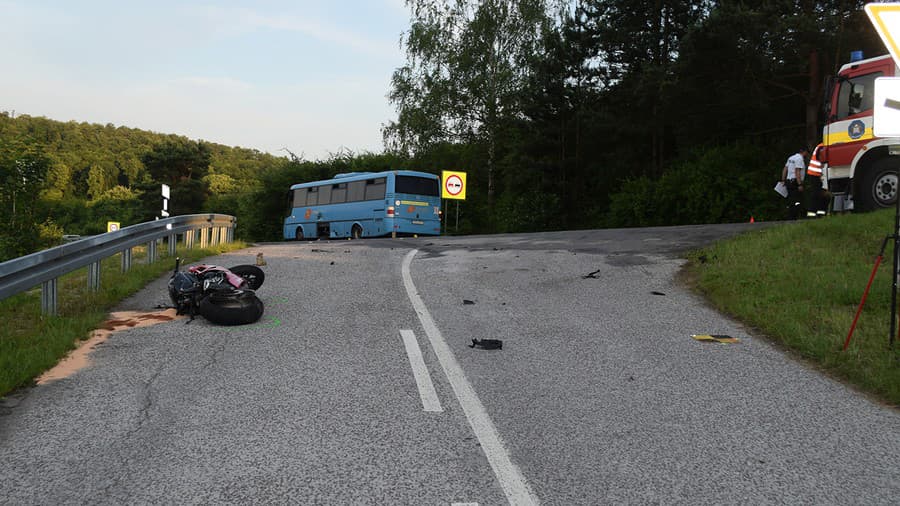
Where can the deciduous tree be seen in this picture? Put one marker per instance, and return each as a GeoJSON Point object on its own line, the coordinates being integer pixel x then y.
{"type": "Point", "coordinates": [467, 62]}
{"type": "Point", "coordinates": [181, 164]}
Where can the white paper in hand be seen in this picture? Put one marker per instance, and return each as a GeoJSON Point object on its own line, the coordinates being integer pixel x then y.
{"type": "Point", "coordinates": [781, 189]}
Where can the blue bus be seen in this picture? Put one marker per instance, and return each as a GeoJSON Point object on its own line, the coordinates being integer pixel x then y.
{"type": "Point", "coordinates": [365, 204]}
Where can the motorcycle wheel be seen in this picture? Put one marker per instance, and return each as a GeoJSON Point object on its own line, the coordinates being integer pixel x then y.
{"type": "Point", "coordinates": [251, 273]}
{"type": "Point", "coordinates": [239, 307]}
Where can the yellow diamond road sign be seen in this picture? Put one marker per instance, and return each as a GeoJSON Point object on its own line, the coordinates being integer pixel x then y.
{"type": "Point", "coordinates": [886, 18]}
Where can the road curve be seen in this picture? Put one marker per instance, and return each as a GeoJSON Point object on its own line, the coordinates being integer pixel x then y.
{"type": "Point", "coordinates": [599, 394]}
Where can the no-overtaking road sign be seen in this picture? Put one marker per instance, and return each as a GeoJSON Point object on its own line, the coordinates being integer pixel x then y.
{"type": "Point", "coordinates": [454, 185]}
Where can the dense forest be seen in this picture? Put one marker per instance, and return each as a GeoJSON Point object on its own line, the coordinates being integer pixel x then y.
{"type": "Point", "coordinates": [564, 114]}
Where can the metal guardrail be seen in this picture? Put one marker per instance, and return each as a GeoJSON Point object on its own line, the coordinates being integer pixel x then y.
{"type": "Point", "coordinates": [45, 267]}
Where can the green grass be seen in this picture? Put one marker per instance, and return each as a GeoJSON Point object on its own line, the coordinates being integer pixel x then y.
{"type": "Point", "coordinates": [800, 285]}
{"type": "Point", "coordinates": [31, 343]}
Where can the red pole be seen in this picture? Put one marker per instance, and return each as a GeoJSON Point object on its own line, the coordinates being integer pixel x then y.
{"type": "Point", "coordinates": [863, 301]}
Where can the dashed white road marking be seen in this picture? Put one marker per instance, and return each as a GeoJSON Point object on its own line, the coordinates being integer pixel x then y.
{"type": "Point", "coordinates": [430, 401]}
{"type": "Point", "coordinates": [511, 479]}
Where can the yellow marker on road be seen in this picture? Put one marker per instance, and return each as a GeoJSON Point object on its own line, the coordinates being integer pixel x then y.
{"type": "Point", "coordinates": [719, 338]}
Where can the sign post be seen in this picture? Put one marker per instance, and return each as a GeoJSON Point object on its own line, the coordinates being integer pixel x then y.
{"type": "Point", "coordinates": [885, 17]}
{"type": "Point", "coordinates": [453, 186]}
{"type": "Point", "coordinates": [165, 203]}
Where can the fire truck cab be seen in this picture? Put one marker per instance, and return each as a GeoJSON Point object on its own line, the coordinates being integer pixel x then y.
{"type": "Point", "coordinates": [862, 169]}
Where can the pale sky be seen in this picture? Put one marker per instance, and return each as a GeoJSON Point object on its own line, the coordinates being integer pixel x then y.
{"type": "Point", "coordinates": [309, 76]}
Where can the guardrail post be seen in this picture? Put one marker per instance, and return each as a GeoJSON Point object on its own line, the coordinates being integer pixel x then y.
{"type": "Point", "coordinates": [173, 242]}
{"type": "Point", "coordinates": [203, 239]}
{"type": "Point", "coordinates": [151, 251]}
{"type": "Point", "coordinates": [93, 277]}
{"type": "Point", "coordinates": [126, 260]}
{"type": "Point", "coordinates": [48, 297]}
{"type": "Point", "coordinates": [189, 239]}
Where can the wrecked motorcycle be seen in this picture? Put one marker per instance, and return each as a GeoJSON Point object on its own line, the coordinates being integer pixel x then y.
{"type": "Point", "coordinates": [223, 296]}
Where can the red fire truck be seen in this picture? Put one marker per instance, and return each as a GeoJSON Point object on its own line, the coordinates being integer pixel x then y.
{"type": "Point", "coordinates": [862, 168]}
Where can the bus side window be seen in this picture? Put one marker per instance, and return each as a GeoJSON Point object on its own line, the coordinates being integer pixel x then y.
{"type": "Point", "coordinates": [324, 194]}
{"type": "Point", "coordinates": [299, 198]}
{"type": "Point", "coordinates": [356, 191]}
{"type": "Point", "coordinates": [339, 193]}
{"type": "Point", "coordinates": [312, 196]}
{"type": "Point", "coordinates": [375, 188]}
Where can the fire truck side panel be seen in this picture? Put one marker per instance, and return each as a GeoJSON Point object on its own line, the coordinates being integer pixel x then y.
{"type": "Point", "coordinates": [843, 150]}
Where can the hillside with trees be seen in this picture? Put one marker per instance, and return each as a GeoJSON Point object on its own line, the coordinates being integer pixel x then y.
{"type": "Point", "coordinates": [564, 114]}
{"type": "Point", "coordinates": [68, 177]}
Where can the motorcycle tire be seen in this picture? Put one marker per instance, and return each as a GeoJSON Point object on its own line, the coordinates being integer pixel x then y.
{"type": "Point", "coordinates": [253, 275]}
{"type": "Point", "coordinates": [239, 307]}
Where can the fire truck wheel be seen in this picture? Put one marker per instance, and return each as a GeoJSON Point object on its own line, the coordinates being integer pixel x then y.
{"type": "Point", "coordinates": [879, 186]}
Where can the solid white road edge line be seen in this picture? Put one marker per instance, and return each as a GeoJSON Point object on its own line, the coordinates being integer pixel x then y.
{"type": "Point", "coordinates": [427, 393]}
{"type": "Point", "coordinates": [511, 479]}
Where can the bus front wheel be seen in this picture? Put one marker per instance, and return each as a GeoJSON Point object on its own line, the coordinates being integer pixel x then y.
{"type": "Point", "coordinates": [356, 232]}
{"type": "Point", "coordinates": [299, 235]}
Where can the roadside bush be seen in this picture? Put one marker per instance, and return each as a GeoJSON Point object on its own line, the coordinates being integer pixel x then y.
{"type": "Point", "coordinates": [117, 204]}
{"type": "Point", "coordinates": [528, 212]}
{"type": "Point", "coordinates": [725, 184]}
{"type": "Point", "coordinates": [72, 215]}
{"type": "Point", "coordinates": [49, 234]}
{"type": "Point", "coordinates": [633, 205]}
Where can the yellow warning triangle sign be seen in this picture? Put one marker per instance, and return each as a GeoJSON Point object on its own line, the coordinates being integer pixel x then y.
{"type": "Point", "coordinates": [886, 19]}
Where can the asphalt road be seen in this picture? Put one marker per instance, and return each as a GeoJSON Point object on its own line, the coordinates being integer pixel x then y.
{"type": "Point", "coordinates": [598, 396]}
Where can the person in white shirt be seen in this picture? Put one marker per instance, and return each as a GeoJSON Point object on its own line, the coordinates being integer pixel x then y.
{"type": "Point", "coordinates": [792, 177]}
